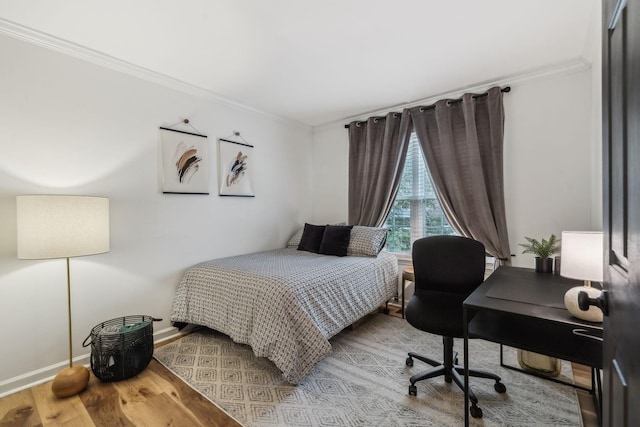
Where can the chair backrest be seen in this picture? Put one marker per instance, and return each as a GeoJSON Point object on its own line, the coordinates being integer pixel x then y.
{"type": "Point", "coordinates": [448, 264]}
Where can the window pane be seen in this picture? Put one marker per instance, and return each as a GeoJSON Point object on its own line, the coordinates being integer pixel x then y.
{"type": "Point", "coordinates": [416, 212]}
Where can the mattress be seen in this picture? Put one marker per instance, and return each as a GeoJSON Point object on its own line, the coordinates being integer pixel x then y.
{"type": "Point", "coordinates": [286, 304]}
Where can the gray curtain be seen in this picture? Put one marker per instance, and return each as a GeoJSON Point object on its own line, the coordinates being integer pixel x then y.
{"type": "Point", "coordinates": [463, 146]}
{"type": "Point", "coordinates": [377, 151]}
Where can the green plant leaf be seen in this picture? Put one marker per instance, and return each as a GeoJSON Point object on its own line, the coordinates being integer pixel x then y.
{"type": "Point", "coordinates": [543, 248]}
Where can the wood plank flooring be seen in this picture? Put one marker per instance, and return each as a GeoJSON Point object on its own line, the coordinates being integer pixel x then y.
{"type": "Point", "coordinates": [155, 397]}
{"type": "Point", "coordinates": [582, 376]}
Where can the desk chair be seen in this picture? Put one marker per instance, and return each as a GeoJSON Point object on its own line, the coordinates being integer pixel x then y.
{"type": "Point", "coordinates": [447, 270]}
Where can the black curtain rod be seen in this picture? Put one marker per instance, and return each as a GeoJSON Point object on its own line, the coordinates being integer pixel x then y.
{"type": "Point", "coordinates": [505, 89]}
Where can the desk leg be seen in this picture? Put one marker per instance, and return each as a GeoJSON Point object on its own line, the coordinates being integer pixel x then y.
{"type": "Point", "coordinates": [466, 367]}
{"type": "Point", "coordinates": [596, 384]}
{"type": "Point", "coordinates": [404, 282]}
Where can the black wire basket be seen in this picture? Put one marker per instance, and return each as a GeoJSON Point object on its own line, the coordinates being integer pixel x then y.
{"type": "Point", "coordinates": [122, 347]}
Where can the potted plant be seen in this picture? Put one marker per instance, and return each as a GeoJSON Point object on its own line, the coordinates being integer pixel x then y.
{"type": "Point", "coordinates": [529, 361]}
{"type": "Point", "coordinates": [542, 250]}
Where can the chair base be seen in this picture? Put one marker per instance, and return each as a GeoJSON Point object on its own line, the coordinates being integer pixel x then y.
{"type": "Point", "coordinates": [452, 372]}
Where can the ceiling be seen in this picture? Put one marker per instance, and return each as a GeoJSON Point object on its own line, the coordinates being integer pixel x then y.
{"type": "Point", "coordinates": [319, 61]}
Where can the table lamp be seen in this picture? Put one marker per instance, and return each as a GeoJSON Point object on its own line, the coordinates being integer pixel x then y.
{"type": "Point", "coordinates": [63, 227]}
{"type": "Point", "coordinates": [582, 258]}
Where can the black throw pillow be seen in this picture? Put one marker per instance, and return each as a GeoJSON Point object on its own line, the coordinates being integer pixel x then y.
{"type": "Point", "coordinates": [335, 240]}
{"type": "Point", "coordinates": [311, 238]}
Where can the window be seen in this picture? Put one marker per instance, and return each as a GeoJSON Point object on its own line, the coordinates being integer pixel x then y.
{"type": "Point", "coordinates": [416, 212]}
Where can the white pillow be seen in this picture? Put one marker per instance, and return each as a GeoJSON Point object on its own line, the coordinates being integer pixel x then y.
{"type": "Point", "coordinates": [294, 241]}
{"type": "Point", "coordinates": [366, 241]}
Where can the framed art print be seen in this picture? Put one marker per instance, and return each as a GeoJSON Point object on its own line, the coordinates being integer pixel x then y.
{"type": "Point", "coordinates": [235, 169]}
{"type": "Point", "coordinates": [185, 162]}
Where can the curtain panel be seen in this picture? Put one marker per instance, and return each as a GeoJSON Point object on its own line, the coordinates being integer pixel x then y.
{"type": "Point", "coordinates": [463, 146]}
{"type": "Point", "coordinates": [377, 152]}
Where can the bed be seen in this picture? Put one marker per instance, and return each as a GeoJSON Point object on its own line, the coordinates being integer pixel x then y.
{"type": "Point", "coordinates": [287, 303]}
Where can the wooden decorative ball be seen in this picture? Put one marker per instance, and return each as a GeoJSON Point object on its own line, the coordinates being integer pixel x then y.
{"type": "Point", "coordinates": [70, 381]}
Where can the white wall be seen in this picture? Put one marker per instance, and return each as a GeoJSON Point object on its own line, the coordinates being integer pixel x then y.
{"type": "Point", "coordinates": [593, 52]}
{"type": "Point", "coordinates": [330, 174]}
{"type": "Point", "coordinates": [70, 127]}
{"type": "Point", "coordinates": [549, 157]}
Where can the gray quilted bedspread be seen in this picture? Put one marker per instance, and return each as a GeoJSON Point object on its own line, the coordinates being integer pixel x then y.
{"type": "Point", "coordinates": [285, 303]}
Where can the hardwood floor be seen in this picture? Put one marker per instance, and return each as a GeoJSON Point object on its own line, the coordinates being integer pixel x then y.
{"type": "Point", "coordinates": [155, 397]}
{"type": "Point", "coordinates": [582, 376]}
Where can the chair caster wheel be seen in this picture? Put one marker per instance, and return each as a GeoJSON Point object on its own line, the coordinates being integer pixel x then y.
{"type": "Point", "coordinates": [409, 361]}
{"type": "Point", "coordinates": [475, 411]}
{"type": "Point", "coordinates": [500, 388]}
{"type": "Point", "coordinates": [413, 390]}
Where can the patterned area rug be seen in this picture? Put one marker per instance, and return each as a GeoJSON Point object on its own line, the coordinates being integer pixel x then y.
{"type": "Point", "coordinates": [364, 382]}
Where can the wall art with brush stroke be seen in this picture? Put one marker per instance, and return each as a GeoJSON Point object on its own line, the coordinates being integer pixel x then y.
{"type": "Point", "coordinates": [185, 162]}
{"type": "Point", "coordinates": [235, 169]}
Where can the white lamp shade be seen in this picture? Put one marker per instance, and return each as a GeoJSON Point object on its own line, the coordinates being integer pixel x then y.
{"type": "Point", "coordinates": [582, 255]}
{"type": "Point", "coordinates": [62, 226]}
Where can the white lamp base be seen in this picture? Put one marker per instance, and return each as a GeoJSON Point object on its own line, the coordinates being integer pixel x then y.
{"type": "Point", "coordinates": [594, 314]}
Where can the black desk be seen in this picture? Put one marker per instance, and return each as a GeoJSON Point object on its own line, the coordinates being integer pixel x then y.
{"type": "Point", "coordinates": [533, 318]}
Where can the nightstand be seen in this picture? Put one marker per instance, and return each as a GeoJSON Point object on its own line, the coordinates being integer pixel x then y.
{"type": "Point", "coordinates": [407, 276]}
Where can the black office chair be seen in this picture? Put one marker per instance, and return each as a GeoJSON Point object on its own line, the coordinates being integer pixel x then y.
{"type": "Point", "coordinates": [447, 270]}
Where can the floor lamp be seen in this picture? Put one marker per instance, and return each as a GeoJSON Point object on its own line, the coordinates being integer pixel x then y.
{"type": "Point", "coordinates": [63, 227]}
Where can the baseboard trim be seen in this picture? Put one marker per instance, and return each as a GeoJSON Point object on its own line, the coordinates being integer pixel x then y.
{"type": "Point", "coordinates": [47, 373]}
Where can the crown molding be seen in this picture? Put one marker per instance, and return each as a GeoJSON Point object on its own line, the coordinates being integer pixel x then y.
{"type": "Point", "coordinates": [571, 66]}
{"type": "Point", "coordinates": [68, 48]}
